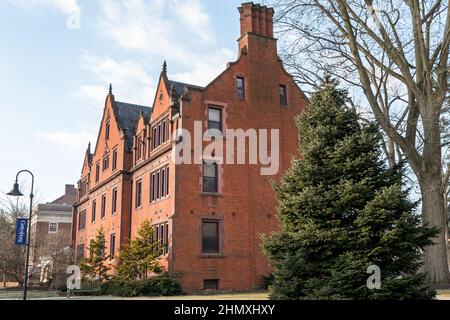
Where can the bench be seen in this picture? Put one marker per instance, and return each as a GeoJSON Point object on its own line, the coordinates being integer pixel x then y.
{"type": "Point", "coordinates": [86, 287]}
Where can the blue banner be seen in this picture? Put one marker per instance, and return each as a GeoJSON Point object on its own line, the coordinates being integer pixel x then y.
{"type": "Point", "coordinates": [21, 232]}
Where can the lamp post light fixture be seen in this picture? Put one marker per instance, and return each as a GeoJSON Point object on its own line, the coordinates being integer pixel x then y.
{"type": "Point", "coordinates": [15, 192]}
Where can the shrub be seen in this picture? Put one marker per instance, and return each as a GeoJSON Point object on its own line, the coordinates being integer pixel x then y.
{"type": "Point", "coordinates": [161, 285]}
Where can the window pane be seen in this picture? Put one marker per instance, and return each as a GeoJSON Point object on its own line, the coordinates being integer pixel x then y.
{"type": "Point", "coordinates": [214, 115]}
{"type": "Point", "coordinates": [210, 237]}
{"type": "Point", "coordinates": [167, 181]}
{"type": "Point", "coordinates": [209, 170]}
{"type": "Point", "coordinates": [240, 88]}
{"type": "Point", "coordinates": [163, 183]}
{"type": "Point", "coordinates": [157, 186]}
{"type": "Point", "coordinates": [283, 97]}
{"type": "Point", "coordinates": [94, 208]}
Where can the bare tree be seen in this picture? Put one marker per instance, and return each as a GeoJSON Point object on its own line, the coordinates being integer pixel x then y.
{"type": "Point", "coordinates": [53, 254]}
{"type": "Point", "coordinates": [394, 54]}
{"type": "Point", "coordinates": [12, 256]}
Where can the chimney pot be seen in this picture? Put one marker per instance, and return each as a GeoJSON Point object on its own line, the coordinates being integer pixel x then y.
{"type": "Point", "coordinates": [256, 19]}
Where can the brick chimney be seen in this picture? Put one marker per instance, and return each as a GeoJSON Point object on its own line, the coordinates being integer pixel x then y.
{"type": "Point", "coordinates": [257, 31]}
{"type": "Point", "coordinates": [256, 19]}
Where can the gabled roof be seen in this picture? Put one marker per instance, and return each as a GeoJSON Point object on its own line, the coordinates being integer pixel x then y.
{"type": "Point", "coordinates": [127, 116]}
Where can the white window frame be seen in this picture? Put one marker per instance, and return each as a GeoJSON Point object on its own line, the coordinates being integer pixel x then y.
{"type": "Point", "coordinates": [49, 228]}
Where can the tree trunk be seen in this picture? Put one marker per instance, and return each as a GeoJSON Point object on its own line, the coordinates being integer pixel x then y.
{"type": "Point", "coordinates": [433, 212]}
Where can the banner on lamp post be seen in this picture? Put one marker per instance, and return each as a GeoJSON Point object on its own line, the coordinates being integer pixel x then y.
{"type": "Point", "coordinates": [21, 232]}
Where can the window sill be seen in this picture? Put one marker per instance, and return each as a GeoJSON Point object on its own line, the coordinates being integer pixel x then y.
{"type": "Point", "coordinates": [211, 194]}
{"type": "Point", "coordinates": [212, 255]}
{"type": "Point", "coordinates": [159, 200]}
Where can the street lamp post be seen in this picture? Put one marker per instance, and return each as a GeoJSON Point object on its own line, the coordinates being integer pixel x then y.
{"type": "Point", "coordinates": [15, 192]}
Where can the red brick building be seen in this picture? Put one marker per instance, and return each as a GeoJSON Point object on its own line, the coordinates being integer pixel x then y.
{"type": "Point", "coordinates": [208, 216]}
{"type": "Point", "coordinates": [51, 226]}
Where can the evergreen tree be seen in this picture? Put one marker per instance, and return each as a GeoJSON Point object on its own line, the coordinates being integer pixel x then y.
{"type": "Point", "coordinates": [95, 266]}
{"type": "Point", "coordinates": [342, 210]}
{"type": "Point", "coordinates": [140, 257]}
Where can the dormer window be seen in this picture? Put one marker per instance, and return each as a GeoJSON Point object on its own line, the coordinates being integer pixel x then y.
{"type": "Point", "coordinates": [106, 163]}
{"type": "Point", "coordinates": [114, 160]}
{"type": "Point", "coordinates": [107, 130]}
{"type": "Point", "coordinates": [139, 146]}
{"type": "Point", "coordinates": [97, 172]}
{"type": "Point", "coordinates": [160, 133]}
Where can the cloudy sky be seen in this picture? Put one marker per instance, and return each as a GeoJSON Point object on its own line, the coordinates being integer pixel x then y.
{"type": "Point", "coordinates": [57, 58]}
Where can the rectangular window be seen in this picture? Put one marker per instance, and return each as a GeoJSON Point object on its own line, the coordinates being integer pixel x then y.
{"type": "Point", "coordinates": [107, 129]}
{"type": "Point", "coordinates": [166, 239]}
{"type": "Point", "coordinates": [154, 138]}
{"type": "Point", "coordinates": [167, 181]}
{"type": "Point", "coordinates": [114, 160]}
{"type": "Point", "coordinates": [82, 220]}
{"type": "Point", "coordinates": [164, 131]}
{"type": "Point", "coordinates": [160, 133]}
{"type": "Point", "coordinates": [83, 188]}
{"type": "Point", "coordinates": [52, 227]}
{"type": "Point", "coordinates": [215, 119]}
{"type": "Point", "coordinates": [139, 194]}
{"type": "Point", "coordinates": [167, 130]}
{"type": "Point", "coordinates": [240, 87]}
{"type": "Point", "coordinates": [114, 201]}
{"type": "Point", "coordinates": [161, 237]}
{"type": "Point", "coordinates": [210, 237]}
{"type": "Point", "coordinates": [103, 209]}
{"type": "Point", "coordinates": [138, 149]}
{"type": "Point", "coordinates": [97, 172]}
{"type": "Point", "coordinates": [106, 163]}
{"type": "Point", "coordinates": [152, 187]}
{"type": "Point", "coordinates": [210, 180]}
{"type": "Point", "coordinates": [112, 245]}
{"type": "Point", "coordinates": [94, 210]}
{"type": "Point", "coordinates": [163, 183]}
{"type": "Point", "coordinates": [283, 95]}
{"type": "Point", "coordinates": [80, 252]}
{"type": "Point", "coordinates": [158, 186]}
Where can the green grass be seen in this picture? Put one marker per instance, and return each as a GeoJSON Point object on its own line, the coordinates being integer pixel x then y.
{"type": "Point", "coordinates": [32, 294]}
{"type": "Point", "coordinates": [53, 295]}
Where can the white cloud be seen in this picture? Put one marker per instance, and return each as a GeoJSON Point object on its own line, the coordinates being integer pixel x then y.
{"type": "Point", "coordinates": [176, 30]}
{"type": "Point", "coordinates": [74, 140]}
{"type": "Point", "coordinates": [192, 14]}
{"type": "Point", "coordinates": [204, 68]}
{"type": "Point", "coordinates": [70, 8]}
{"type": "Point", "coordinates": [130, 81]}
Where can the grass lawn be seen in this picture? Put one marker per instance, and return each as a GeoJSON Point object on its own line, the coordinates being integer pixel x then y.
{"type": "Point", "coordinates": [53, 295]}
{"type": "Point", "coordinates": [31, 294]}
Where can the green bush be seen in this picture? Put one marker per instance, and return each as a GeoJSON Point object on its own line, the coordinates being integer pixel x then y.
{"type": "Point", "coordinates": [267, 281]}
{"type": "Point", "coordinates": [161, 285]}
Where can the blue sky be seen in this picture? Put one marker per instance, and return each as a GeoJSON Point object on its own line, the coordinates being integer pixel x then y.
{"type": "Point", "coordinates": [57, 58]}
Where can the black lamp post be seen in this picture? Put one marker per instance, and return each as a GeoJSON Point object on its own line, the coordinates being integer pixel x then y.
{"type": "Point", "coordinates": [15, 192]}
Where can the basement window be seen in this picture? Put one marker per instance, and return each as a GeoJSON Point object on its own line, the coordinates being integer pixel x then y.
{"type": "Point", "coordinates": [211, 284]}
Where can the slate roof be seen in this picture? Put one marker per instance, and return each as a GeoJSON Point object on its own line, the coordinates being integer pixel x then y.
{"type": "Point", "coordinates": [180, 86]}
{"type": "Point", "coordinates": [127, 116]}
